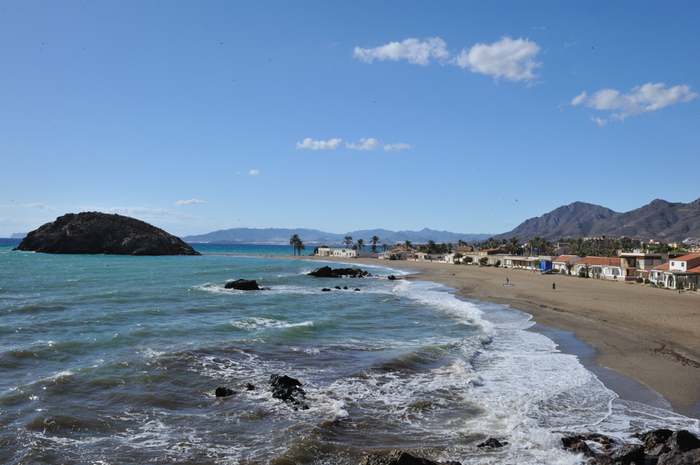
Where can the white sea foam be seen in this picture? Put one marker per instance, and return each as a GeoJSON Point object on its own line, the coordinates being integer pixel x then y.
{"type": "Point", "coordinates": [530, 392]}
{"type": "Point", "coordinates": [257, 324]}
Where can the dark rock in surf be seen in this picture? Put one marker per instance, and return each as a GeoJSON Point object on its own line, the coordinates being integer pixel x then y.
{"type": "Point", "coordinates": [102, 233]}
{"type": "Point", "coordinates": [327, 272]}
{"type": "Point", "coordinates": [683, 441]}
{"type": "Point", "coordinates": [391, 277]}
{"type": "Point", "coordinates": [492, 443]}
{"type": "Point", "coordinates": [243, 285]}
{"type": "Point", "coordinates": [356, 290]}
{"type": "Point", "coordinates": [661, 447]}
{"type": "Point", "coordinates": [289, 390]}
{"type": "Point", "coordinates": [399, 457]}
{"type": "Point", "coordinates": [249, 387]}
{"type": "Point", "coordinates": [224, 392]}
{"type": "Point", "coordinates": [325, 289]}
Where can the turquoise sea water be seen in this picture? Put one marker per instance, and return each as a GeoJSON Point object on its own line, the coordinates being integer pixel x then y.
{"type": "Point", "coordinates": [115, 359]}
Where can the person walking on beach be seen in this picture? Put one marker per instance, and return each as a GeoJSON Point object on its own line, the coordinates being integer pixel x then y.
{"type": "Point", "coordinates": [554, 286]}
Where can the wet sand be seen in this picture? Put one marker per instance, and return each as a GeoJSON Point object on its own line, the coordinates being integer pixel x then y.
{"type": "Point", "coordinates": [648, 334]}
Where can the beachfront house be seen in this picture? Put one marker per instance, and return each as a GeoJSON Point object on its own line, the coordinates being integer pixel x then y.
{"type": "Point", "coordinates": [638, 264]}
{"type": "Point", "coordinates": [559, 264]}
{"type": "Point", "coordinates": [398, 253]}
{"type": "Point", "coordinates": [599, 267]}
{"type": "Point", "coordinates": [323, 251]}
{"type": "Point", "coordinates": [684, 269]}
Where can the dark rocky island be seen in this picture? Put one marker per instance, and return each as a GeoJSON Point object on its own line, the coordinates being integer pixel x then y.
{"type": "Point", "coordinates": [102, 233]}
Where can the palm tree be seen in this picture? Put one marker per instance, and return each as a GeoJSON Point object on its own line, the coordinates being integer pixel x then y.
{"type": "Point", "coordinates": [294, 241]}
{"type": "Point", "coordinates": [348, 241]}
{"type": "Point", "coordinates": [513, 246]}
{"type": "Point", "coordinates": [385, 246]}
{"type": "Point", "coordinates": [461, 243]}
{"type": "Point", "coordinates": [374, 241]}
{"type": "Point", "coordinates": [408, 244]}
{"type": "Point", "coordinates": [360, 243]}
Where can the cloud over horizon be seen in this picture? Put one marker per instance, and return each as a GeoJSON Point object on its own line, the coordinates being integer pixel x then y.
{"type": "Point", "coordinates": [41, 207]}
{"type": "Point", "coordinates": [641, 99]}
{"type": "Point", "coordinates": [190, 202]}
{"type": "Point", "coordinates": [510, 59]}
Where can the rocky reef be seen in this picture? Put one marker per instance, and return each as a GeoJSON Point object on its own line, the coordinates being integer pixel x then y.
{"type": "Point", "coordinates": [103, 233]}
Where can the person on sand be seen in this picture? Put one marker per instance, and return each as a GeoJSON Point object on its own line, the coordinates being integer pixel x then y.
{"type": "Point", "coordinates": [554, 286]}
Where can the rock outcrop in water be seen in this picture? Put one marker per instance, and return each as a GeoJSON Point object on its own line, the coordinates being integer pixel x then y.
{"type": "Point", "coordinates": [327, 272]}
{"type": "Point", "coordinates": [289, 390]}
{"type": "Point", "coordinates": [243, 285]}
{"type": "Point", "coordinates": [102, 233]}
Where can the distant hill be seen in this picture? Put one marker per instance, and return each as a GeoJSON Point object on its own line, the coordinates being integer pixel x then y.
{"type": "Point", "coordinates": [660, 220]}
{"type": "Point", "coordinates": [316, 237]}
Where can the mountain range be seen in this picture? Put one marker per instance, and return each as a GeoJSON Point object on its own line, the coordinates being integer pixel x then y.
{"type": "Point", "coordinates": [316, 237]}
{"type": "Point", "coordinates": [659, 220]}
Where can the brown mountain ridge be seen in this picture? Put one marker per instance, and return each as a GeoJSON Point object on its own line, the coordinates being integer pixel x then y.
{"type": "Point", "coordinates": [659, 220]}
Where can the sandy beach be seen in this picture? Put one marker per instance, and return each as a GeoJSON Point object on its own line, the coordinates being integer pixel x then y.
{"type": "Point", "coordinates": [647, 334]}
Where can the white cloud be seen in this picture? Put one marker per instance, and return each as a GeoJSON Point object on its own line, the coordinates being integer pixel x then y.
{"type": "Point", "coordinates": [599, 122]}
{"type": "Point", "coordinates": [641, 99]}
{"type": "Point", "coordinates": [415, 51]}
{"type": "Point", "coordinates": [511, 59]}
{"type": "Point", "coordinates": [179, 203]}
{"type": "Point", "coordinates": [41, 207]}
{"type": "Point", "coordinates": [579, 99]}
{"type": "Point", "coordinates": [397, 147]}
{"type": "Point", "coordinates": [254, 172]}
{"type": "Point", "coordinates": [309, 143]}
{"type": "Point", "coordinates": [366, 144]}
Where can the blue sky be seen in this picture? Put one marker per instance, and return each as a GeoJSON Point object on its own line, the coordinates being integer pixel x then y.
{"type": "Point", "coordinates": [463, 116]}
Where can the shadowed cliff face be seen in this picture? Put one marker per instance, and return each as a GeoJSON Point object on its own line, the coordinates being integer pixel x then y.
{"type": "Point", "coordinates": [102, 233]}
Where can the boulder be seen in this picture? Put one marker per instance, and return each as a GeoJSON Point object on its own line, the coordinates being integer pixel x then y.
{"type": "Point", "coordinates": [327, 272]}
{"type": "Point", "coordinates": [243, 285]}
{"type": "Point", "coordinates": [683, 441]}
{"type": "Point", "coordinates": [102, 233]}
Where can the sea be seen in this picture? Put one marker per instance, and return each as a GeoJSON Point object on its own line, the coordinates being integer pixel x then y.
{"type": "Point", "coordinates": [110, 359]}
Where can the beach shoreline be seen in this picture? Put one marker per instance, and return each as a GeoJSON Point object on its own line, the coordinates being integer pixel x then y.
{"type": "Point", "coordinates": [645, 341]}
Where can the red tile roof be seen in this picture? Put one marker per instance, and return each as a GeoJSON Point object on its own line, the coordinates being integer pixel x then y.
{"type": "Point", "coordinates": [686, 258]}
{"type": "Point", "coordinates": [663, 267]}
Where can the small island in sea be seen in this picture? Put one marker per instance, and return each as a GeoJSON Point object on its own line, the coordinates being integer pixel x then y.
{"type": "Point", "coordinates": [103, 233]}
